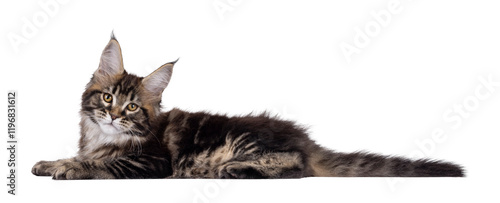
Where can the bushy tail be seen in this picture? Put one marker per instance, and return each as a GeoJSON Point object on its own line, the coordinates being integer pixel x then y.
{"type": "Point", "coordinates": [326, 163]}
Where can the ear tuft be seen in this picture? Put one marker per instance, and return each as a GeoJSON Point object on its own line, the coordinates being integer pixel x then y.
{"type": "Point", "coordinates": [173, 62]}
{"type": "Point", "coordinates": [113, 35]}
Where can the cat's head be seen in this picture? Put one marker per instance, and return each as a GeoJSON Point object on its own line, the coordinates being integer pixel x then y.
{"type": "Point", "coordinates": [119, 103]}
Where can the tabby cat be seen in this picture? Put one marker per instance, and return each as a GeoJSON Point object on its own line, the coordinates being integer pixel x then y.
{"type": "Point", "coordinates": [125, 135]}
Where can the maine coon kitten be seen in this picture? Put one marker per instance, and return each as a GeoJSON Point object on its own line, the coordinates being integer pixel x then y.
{"type": "Point", "coordinates": [125, 135]}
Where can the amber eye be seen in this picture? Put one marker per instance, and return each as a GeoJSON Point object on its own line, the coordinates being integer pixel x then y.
{"type": "Point", "coordinates": [107, 97]}
{"type": "Point", "coordinates": [132, 107]}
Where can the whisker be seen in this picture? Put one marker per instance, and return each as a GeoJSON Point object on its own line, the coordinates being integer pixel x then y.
{"type": "Point", "coordinates": [154, 135]}
{"type": "Point", "coordinates": [136, 142]}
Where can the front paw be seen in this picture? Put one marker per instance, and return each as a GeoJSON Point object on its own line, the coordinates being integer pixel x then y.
{"type": "Point", "coordinates": [44, 168]}
{"type": "Point", "coordinates": [70, 171]}
{"type": "Point", "coordinates": [239, 172]}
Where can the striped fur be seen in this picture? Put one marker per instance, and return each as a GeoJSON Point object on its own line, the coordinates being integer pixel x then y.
{"type": "Point", "coordinates": [118, 141]}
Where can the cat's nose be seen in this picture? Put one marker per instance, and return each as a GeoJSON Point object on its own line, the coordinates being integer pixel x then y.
{"type": "Point", "coordinates": [113, 116]}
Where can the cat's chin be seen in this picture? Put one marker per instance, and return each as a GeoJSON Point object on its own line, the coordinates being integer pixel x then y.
{"type": "Point", "coordinates": [109, 128]}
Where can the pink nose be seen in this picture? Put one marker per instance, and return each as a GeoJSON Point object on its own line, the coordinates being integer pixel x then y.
{"type": "Point", "coordinates": [113, 116]}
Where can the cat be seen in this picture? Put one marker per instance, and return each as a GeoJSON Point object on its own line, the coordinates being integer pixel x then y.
{"type": "Point", "coordinates": [125, 135]}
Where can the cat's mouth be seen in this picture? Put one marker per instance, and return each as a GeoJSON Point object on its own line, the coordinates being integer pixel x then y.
{"type": "Point", "coordinates": [109, 128]}
{"type": "Point", "coordinates": [112, 125]}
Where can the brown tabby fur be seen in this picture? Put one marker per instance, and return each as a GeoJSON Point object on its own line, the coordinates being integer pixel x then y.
{"type": "Point", "coordinates": [117, 142]}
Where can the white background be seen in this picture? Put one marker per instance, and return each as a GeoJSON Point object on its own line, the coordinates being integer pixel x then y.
{"type": "Point", "coordinates": [281, 56]}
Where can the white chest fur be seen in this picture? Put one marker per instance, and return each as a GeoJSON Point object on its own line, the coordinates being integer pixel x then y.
{"type": "Point", "coordinates": [94, 138]}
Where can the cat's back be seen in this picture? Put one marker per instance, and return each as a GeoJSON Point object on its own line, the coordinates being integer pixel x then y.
{"type": "Point", "coordinates": [196, 131]}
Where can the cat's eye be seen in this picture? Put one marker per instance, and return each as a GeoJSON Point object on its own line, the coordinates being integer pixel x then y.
{"type": "Point", "coordinates": [132, 107]}
{"type": "Point", "coordinates": [107, 97]}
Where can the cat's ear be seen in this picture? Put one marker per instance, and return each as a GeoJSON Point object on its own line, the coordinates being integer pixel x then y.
{"type": "Point", "coordinates": [157, 81]}
{"type": "Point", "coordinates": [111, 63]}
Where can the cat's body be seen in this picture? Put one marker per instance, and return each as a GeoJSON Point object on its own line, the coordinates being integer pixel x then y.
{"type": "Point", "coordinates": [125, 135]}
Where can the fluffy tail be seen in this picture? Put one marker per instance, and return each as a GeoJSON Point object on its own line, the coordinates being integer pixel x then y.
{"type": "Point", "coordinates": [326, 163]}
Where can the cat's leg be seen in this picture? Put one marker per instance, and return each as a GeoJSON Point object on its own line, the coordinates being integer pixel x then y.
{"type": "Point", "coordinates": [117, 168]}
{"type": "Point", "coordinates": [47, 168]}
{"type": "Point", "coordinates": [269, 165]}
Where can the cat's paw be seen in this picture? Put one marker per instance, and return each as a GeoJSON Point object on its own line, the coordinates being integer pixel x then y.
{"type": "Point", "coordinates": [44, 168]}
{"type": "Point", "coordinates": [70, 171]}
{"type": "Point", "coordinates": [228, 173]}
{"type": "Point", "coordinates": [236, 171]}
